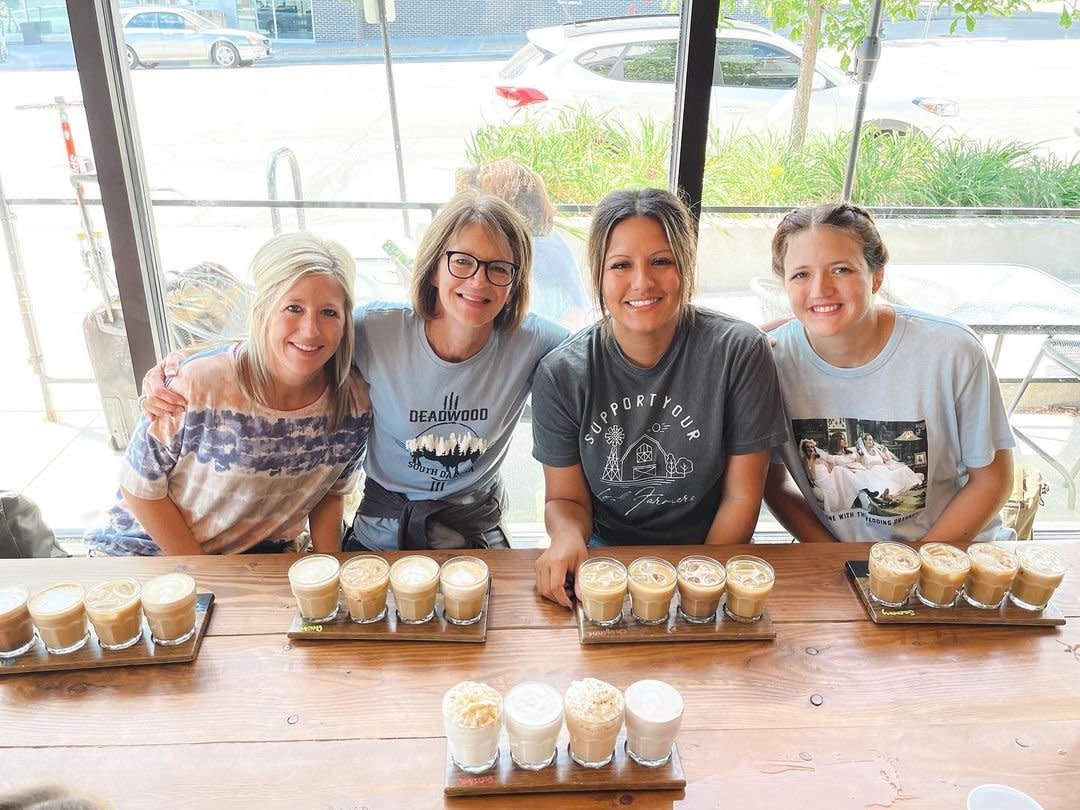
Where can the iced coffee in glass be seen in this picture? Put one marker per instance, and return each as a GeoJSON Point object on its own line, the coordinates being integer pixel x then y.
{"type": "Point", "coordinates": [169, 604]}
{"type": "Point", "coordinates": [16, 626]}
{"type": "Point", "coordinates": [472, 717]}
{"type": "Point", "coordinates": [701, 584]}
{"type": "Point", "coordinates": [534, 718]}
{"type": "Point", "coordinates": [601, 583]}
{"type": "Point", "coordinates": [654, 711]}
{"type": "Point", "coordinates": [992, 571]}
{"type": "Point", "coordinates": [749, 582]}
{"type": "Point", "coordinates": [364, 580]}
{"type": "Point", "coordinates": [944, 569]}
{"type": "Point", "coordinates": [464, 584]}
{"type": "Point", "coordinates": [59, 614]}
{"type": "Point", "coordinates": [1040, 572]}
{"type": "Point", "coordinates": [315, 581]}
{"type": "Point", "coordinates": [594, 717]}
{"type": "Point", "coordinates": [115, 610]}
{"type": "Point", "coordinates": [894, 570]}
{"type": "Point", "coordinates": [415, 582]}
{"type": "Point", "coordinates": [651, 584]}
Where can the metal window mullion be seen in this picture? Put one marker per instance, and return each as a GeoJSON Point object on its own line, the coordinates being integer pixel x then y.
{"type": "Point", "coordinates": [110, 117]}
{"type": "Point", "coordinates": [693, 90]}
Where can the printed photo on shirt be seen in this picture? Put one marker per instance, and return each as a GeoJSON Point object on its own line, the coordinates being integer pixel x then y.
{"type": "Point", "coordinates": [864, 465]}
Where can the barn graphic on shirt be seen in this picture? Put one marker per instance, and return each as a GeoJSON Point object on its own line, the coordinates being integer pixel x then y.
{"type": "Point", "coordinates": [645, 460]}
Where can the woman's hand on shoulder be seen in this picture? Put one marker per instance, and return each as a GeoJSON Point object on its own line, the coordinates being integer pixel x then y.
{"type": "Point", "coordinates": [157, 399]}
{"type": "Point", "coordinates": [556, 567]}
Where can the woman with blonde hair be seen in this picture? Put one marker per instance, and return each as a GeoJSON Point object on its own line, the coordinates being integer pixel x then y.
{"type": "Point", "coordinates": [273, 428]}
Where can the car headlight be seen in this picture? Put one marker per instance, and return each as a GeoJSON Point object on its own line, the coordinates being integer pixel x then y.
{"type": "Point", "coordinates": [945, 107]}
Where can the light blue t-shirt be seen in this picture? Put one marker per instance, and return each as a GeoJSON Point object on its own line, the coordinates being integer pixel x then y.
{"type": "Point", "coordinates": [892, 439]}
{"type": "Point", "coordinates": [442, 429]}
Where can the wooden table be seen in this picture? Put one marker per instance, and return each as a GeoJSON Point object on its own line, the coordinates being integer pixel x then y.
{"type": "Point", "coordinates": [837, 712]}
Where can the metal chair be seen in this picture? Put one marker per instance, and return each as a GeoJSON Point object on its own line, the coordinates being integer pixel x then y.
{"type": "Point", "coordinates": [1065, 352]}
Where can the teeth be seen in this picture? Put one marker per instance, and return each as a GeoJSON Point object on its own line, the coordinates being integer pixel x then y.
{"type": "Point", "coordinates": [642, 302]}
{"type": "Point", "coordinates": [824, 309]}
{"type": "Point", "coordinates": [474, 298]}
{"type": "Point", "coordinates": [305, 348]}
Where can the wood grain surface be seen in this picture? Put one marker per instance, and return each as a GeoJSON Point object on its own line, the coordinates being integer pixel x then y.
{"type": "Point", "coordinates": [835, 712]}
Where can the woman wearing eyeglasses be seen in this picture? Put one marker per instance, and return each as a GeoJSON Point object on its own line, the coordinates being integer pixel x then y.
{"type": "Point", "coordinates": [449, 377]}
{"type": "Point", "coordinates": [449, 374]}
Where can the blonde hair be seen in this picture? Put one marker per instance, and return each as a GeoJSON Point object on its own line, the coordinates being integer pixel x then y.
{"type": "Point", "coordinates": [277, 266]}
{"type": "Point", "coordinates": [679, 229]}
{"type": "Point", "coordinates": [501, 222]}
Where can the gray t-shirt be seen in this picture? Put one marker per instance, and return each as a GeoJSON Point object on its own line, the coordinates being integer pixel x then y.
{"type": "Point", "coordinates": [931, 406]}
{"type": "Point", "coordinates": [653, 443]}
{"type": "Point", "coordinates": [441, 429]}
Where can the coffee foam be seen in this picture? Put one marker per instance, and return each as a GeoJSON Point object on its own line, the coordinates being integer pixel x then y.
{"type": "Point", "coordinates": [655, 701]}
{"type": "Point", "coordinates": [699, 572]}
{"type": "Point", "coordinates": [991, 558]}
{"type": "Point", "coordinates": [944, 556]}
{"type": "Point", "coordinates": [649, 572]}
{"type": "Point", "coordinates": [594, 701]}
{"type": "Point", "coordinates": [473, 705]}
{"type": "Point", "coordinates": [168, 588]}
{"type": "Point", "coordinates": [313, 570]}
{"type": "Point", "coordinates": [416, 571]}
{"type": "Point", "coordinates": [463, 572]}
{"type": "Point", "coordinates": [896, 556]}
{"type": "Point", "coordinates": [57, 598]}
{"type": "Point", "coordinates": [11, 598]}
{"type": "Point", "coordinates": [113, 594]}
{"type": "Point", "coordinates": [366, 571]}
{"type": "Point", "coordinates": [533, 704]}
{"type": "Point", "coordinates": [1041, 560]}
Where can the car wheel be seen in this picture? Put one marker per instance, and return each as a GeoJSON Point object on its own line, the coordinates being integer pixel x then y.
{"type": "Point", "coordinates": [225, 55]}
{"type": "Point", "coordinates": [130, 57]}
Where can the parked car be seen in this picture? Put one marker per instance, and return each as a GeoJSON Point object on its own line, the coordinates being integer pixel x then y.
{"type": "Point", "coordinates": [626, 67]}
{"type": "Point", "coordinates": [156, 34]}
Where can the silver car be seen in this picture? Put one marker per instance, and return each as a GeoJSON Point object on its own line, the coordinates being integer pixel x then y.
{"type": "Point", "coordinates": [156, 34]}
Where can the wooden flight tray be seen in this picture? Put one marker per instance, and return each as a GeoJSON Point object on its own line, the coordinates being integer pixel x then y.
{"type": "Point", "coordinates": [389, 628]}
{"type": "Point", "coordinates": [915, 612]}
{"type": "Point", "coordinates": [564, 775]}
{"type": "Point", "coordinates": [629, 630]}
{"type": "Point", "coordinates": [94, 656]}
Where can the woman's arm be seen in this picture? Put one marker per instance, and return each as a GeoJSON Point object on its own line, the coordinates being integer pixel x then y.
{"type": "Point", "coordinates": [740, 502]}
{"type": "Point", "coordinates": [568, 520]}
{"type": "Point", "coordinates": [325, 524]}
{"type": "Point", "coordinates": [788, 505]}
{"type": "Point", "coordinates": [158, 400]}
{"type": "Point", "coordinates": [977, 501]}
{"type": "Point", "coordinates": [164, 523]}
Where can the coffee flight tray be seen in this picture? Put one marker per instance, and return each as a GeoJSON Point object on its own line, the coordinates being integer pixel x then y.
{"type": "Point", "coordinates": [93, 656]}
{"type": "Point", "coordinates": [915, 612]}
{"type": "Point", "coordinates": [565, 775]}
{"type": "Point", "coordinates": [390, 628]}
{"type": "Point", "coordinates": [629, 630]}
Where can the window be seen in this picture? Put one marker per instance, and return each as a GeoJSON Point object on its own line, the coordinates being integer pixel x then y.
{"type": "Point", "coordinates": [745, 63]}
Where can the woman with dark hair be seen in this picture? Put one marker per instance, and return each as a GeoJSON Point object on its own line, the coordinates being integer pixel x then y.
{"type": "Point", "coordinates": [849, 355]}
{"type": "Point", "coordinates": [654, 425]}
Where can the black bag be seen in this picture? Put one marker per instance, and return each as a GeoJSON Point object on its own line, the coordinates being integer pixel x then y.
{"type": "Point", "coordinates": [22, 531]}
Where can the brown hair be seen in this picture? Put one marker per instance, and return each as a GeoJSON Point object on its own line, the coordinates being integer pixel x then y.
{"type": "Point", "coordinates": [855, 221]}
{"type": "Point", "coordinates": [518, 185]}
{"type": "Point", "coordinates": [679, 229]}
{"type": "Point", "coordinates": [501, 222]}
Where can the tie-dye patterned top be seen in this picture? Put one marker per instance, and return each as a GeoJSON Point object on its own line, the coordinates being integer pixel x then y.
{"type": "Point", "coordinates": [239, 473]}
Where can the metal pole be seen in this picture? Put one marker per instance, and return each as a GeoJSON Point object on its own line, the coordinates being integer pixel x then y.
{"type": "Point", "coordinates": [22, 295]}
{"type": "Point", "coordinates": [393, 113]}
{"type": "Point", "coordinates": [869, 53]}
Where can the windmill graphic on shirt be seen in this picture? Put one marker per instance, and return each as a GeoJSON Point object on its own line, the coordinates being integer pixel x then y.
{"type": "Point", "coordinates": [645, 460]}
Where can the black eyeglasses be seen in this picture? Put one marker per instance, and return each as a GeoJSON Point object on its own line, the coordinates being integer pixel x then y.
{"type": "Point", "coordinates": [465, 265]}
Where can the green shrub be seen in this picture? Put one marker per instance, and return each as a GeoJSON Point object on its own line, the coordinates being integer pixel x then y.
{"type": "Point", "coordinates": [582, 156]}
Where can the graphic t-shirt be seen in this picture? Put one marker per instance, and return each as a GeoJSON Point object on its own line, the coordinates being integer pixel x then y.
{"type": "Point", "coordinates": [879, 450]}
{"type": "Point", "coordinates": [653, 443]}
{"type": "Point", "coordinates": [239, 473]}
{"type": "Point", "coordinates": [442, 429]}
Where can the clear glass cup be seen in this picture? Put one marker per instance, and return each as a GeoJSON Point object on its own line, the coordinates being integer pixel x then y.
{"type": "Point", "coordinates": [750, 580]}
{"type": "Point", "coordinates": [472, 718]}
{"type": "Point", "coordinates": [701, 586]}
{"type": "Point", "coordinates": [651, 582]}
{"type": "Point", "coordinates": [115, 610]}
{"type": "Point", "coordinates": [654, 711]}
{"type": "Point", "coordinates": [601, 583]}
{"type": "Point", "coordinates": [315, 580]}
{"type": "Point", "coordinates": [59, 614]}
{"type": "Point", "coordinates": [992, 571]}
{"type": "Point", "coordinates": [941, 577]}
{"type": "Point", "coordinates": [464, 584]}
{"type": "Point", "coordinates": [1039, 573]}
{"type": "Point", "coordinates": [169, 605]}
{"type": "Point", "coordinates": [17, 634]}
{"type": "Point", "coordinates": [415, 582]}
{"type": "Point", "coordinates": [594, 717]}
{"type": "Point", "coordinates": [364, 580]}
{"type": "Point", "coordinates": [894, 570]}
{"type": "Point", "coordinates": [534, 717]}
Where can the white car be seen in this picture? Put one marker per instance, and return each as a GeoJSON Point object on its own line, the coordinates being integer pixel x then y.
{"type": "Point", "coordinates": [625, 67]}
{"type": "Point", "coordinates": [155, 34]}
